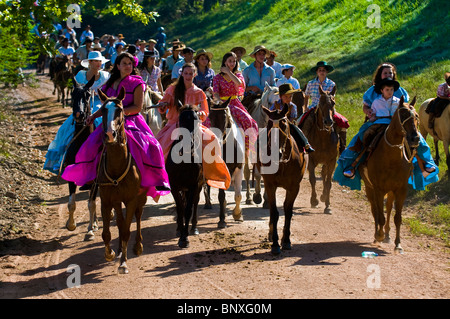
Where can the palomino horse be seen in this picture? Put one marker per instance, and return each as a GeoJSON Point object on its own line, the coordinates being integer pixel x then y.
{"type": "Point", "coordinates": [153, 118]}
{"type": "Point", "coordinates": [440, 132]}
{"type": "Point", "coordinates": [254, 107]}
{"type": "Point", "coordinates": [81, 110]}
{"type": "Point", "coordinates": [388, 168]}
{"type": "Point", "coordinates": [233, 154]}
{"type": "Point", "coordinates": [322, 137]}
{"type": "Point", "coordinates": [185, 174]}
{"type": "Point", "coordinates": [63, 73]}
{"type": "Point", "coordinates": [288, 175]}
{"type": "Point", "coordinates": [119, 180]}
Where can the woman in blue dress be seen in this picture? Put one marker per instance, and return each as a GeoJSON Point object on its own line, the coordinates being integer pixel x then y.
{"type": "Point", "coordinates": [57, 148]}
{"type": "Point", "coordinates": [421, 176]}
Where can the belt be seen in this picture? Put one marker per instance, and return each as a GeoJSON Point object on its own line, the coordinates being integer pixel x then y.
{"type": "Point", "coordinates": [224, 98]}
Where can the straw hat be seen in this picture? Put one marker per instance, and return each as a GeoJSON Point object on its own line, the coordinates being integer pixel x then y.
{"type": "Point", "coordinates": [259, 48]}
{"type": "Point", "coordinates": [93, 56]}
{"type": "Point", "coordinates": [286, 88]}
{"type": "Point", "coordinates": [98, 47]}
{"type": "Point", "coordinates": [203, 51]}
{"type": "Point", "coordinates": [242, 49]}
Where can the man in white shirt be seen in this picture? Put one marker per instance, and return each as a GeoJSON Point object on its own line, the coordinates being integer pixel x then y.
{"type": "Point", "coordinates": [288, 70]}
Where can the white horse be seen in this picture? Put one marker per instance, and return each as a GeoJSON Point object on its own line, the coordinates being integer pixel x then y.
{"type": "Point", "coordinates": [152, 116]}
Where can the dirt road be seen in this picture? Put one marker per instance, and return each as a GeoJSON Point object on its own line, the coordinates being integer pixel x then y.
{"type": "Point", "coordinates": [231, 263]}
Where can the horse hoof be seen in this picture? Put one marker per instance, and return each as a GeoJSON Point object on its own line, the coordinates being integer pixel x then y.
{"type": "Point", "coordinates": [286, 246]}
{"type": "Point", "coordinates": [314, 203]}
{"type": "Point", "coordinates": [207, 206]}
{"type": "Point", "coordinates": [71, 225]}
{"type": "Point", "coordinates": [123, 269]}
{"type": "Point", "coordinates": [387, 240]}
{"type": "Point", "coordinates": [238, 216]}
{"type": "Point", "coordinates": [138, 249]}
{"type": "Point", "coordinates": [327, 211]}
{"type": "Point", "coordinates": [89, 236]}
{"type": "Point", "coordinates": [276, 250]}
{"type": "Point", "coordinates": [111, 256]}
{"type": "Point", "coordinates": [398, 250]}
{"type": "Point", "coordinates": [194, 231]}
{"type": "Point", "coordinates": [257, 198]}
{"type": "Point", "coordinates": [221, 224]}
{"type": "Point", "coordinates": [183, 243]}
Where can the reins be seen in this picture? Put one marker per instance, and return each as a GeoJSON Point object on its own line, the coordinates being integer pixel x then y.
{"type": "Point", "coordinates": [276, 124]}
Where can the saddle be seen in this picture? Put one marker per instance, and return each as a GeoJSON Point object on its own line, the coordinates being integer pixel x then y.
{"type": "Point", "coordinates": [437, 106]}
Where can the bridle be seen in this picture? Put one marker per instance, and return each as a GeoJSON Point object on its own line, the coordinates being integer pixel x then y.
{"type": "Point", "coordinates": [276, 124]}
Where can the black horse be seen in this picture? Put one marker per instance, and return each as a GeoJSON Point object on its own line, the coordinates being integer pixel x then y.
{"type": "Point", "coordinates": [233, 155]}
{"type": "Point", "coordinates": [81, 110]}
{"type": "Point", "coordinates": [185, 174]}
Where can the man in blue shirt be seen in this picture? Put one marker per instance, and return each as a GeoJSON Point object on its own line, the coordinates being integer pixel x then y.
{"type": "Point", "coordinates": [258, 72]}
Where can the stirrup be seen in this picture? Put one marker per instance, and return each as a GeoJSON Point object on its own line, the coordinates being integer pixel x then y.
{"type": "Point", "coordinates": [350, 173]}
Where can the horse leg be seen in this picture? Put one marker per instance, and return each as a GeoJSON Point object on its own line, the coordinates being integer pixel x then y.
{"type": "Point", "coordinates": [71, 206]}
{"type": "Point", "coordinates": [387, 227]}
{"type": "Point", "coordinates": [257, 195]}
{"type": "Point", "coordinates": [399, 201]}
{"type": "Point", "coordinates": [183, 242]}
{"type": "Point", "coordinates": [179, 204]}
{"type": "Point", "coordinates": [312, 180]}
{"type": "Point", "coordinates": [437, 158]}
{"type": "Point", "coordinates": [194, 229]}
{"type": "Point", "coordinates": [378, 214]}
{"type": "Point", "coordinates": [207, 193]}
{"type": "Point", "coordinates": [273, 221]}
{"type": "Point", "coordinates": [106, 233]}
{"type": "Point", "coordinates": [447, 154]}
{"type": "Point", "coordinates": [124, 234]}
{"type": "Point", "coordinates": [248, 200]}
{"type": "Point", "coordinates": [138, 247]}
{"type": "Point", "coordinates": [237, 212]}
{"type": "Point", "coordinates": [222, 204]}
{"type": "Point", "coordinates": [327, 171]}
{"type": "Point", "coordinates": [92, 207]}
{"type": "Point", "coordinates": [288, 211]}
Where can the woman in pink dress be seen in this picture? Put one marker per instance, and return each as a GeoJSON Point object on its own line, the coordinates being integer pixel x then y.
{"type": "Point", "coordinates": [230, 83]}
{"type": "Point", "coordinates": [144, 147]}
{"type": "Point", "coordinates": [184, 91]}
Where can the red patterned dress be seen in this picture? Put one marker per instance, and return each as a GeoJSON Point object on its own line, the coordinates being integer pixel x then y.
{"type": "Point", "coordinates": [240, 115]}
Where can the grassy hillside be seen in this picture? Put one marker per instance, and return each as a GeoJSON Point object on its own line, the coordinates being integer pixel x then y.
{"type": "Point", "coordinates": [412, 35]}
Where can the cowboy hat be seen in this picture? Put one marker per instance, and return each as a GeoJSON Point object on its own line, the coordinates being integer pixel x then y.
{"type": "Point", "coordinates": [98, 47]}
{"type": "Point", "coordinates": [327, 66]}
{"type": "Point", "coordinates": [203, 51]}
{"type": "Point", "coordinates": [259, 48]}
{"type": "Point", "coordinates": [150, 54]}
{"type": "Point", "coordinates": [239, 49]}
{"type": "Point", "coordinates": [178, 47]}
{"type": "Point", "coordinates": [188, 50]}
{"type": "Point", "coordinates": [93, 56]}
{"type": "Point", "coordinates": [386, 82]}
{"type": "Point", "coordinates": [120, 36]}
{"type": "Point", "coordinates": [286, 88]}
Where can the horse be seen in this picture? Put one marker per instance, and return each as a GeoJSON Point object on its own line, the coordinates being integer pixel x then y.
{"type": "Point", "coordinates": [185, 176]}
{"type": "Point", "coordinates": [254, 107]}
{"type": "Point", "coordinates": [81, 110]}
{"type": "Point", "coordinates": [62, 75]}
{"type": "Point", "coordinates": [119, 181]}
{"type": "Point", "coordinates": [388, 168]}
{"type": "Point", "coordinates": [440, 132]}
{"type": "Point", "coordinates": [291, 167]}
{"type": "Point", "coordinates": [222, 120]}
{"type": "Point", "coordinates": [322, 137]}
{"type": "Point", "coordinates": [153, 118]}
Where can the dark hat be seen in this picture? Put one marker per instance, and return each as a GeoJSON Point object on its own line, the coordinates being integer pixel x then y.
{"type": "Point", "coordinates": [328, 67]}
{"type": "Point", "coordinates": [286, 88]}
{"type": "Point", "coordinates": [87, 39]}
{"type": "Point", "coordinates": [149, 54]}
{"type": "Point", "coordinates": [386, 82]}
{"type": "Point", "coordinates": [188, 49]}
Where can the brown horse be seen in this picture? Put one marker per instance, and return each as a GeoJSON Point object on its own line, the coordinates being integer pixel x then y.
{"type": "Point", "coordinates": [63, 73]}
{"type": "Point", "coordinates": [119, 181]}
{"type": "Point", "coordinates": [440, 132]}
{"type": "Point", "coordinates": [388, 168]}
{"type": "Point", "coordinates": [322, 137]}
{"type": "Point", "coordinates": [288, 175]}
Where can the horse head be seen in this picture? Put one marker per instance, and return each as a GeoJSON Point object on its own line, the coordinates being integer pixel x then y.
{"type": "Point", "coordinates": [188, 117]}
{"type": "Point", "coordinates": [113, 117]}
{"type": "Point", "coordinates": [325, 109]}
{"type": "Point", "coordinates": [407, 119]}
{"type": "Point", "coordinates": [80, 102]}
{"type": "Point", "coordinates": [219, 115]}
{"type": "Point", "coordinates": [279, 120]}
{"type": "Point", "coordinates": [269, 95]}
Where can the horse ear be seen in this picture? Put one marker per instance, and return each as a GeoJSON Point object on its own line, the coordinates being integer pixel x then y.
{"type": "Point", "coordinates": [402, 100]}
{"type": "Point", "coordinates": [102, 95]}
{"type": "Point", "coordinates": [122, 93]}
{"type": "Point", "coordinates": [333, 91]}
{"type": "Point", "coordinates": [225, 104]}
{"type": "Point", "coordinates": [413, 102]}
